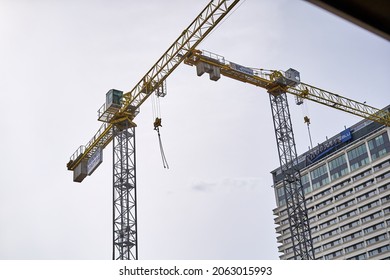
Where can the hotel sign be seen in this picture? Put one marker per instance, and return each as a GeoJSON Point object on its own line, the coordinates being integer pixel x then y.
{"type": "Point", "coordinates": [323, 149]}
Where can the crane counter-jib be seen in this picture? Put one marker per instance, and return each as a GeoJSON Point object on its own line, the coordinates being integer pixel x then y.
{"type": "Point", "coordinates": [200, 27]}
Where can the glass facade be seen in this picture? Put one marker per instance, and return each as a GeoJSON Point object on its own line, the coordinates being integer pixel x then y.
{"type": "Point", "coordinates": [344, 164]}
{"type": "Point", "coordinates": [305, 179]}
{"type": "Point", "coordinates": [338, 167]}
{"type": "Point", "coordinates": [358, 157]}
{"type": "Point", "coordinates": [319, 176]}
{"type": "Point", "coordinates": [281, 196]}
{"type": "Point", "coordinates": [379, 146]}
{"type": "Point", "coordinates": [347, 195]}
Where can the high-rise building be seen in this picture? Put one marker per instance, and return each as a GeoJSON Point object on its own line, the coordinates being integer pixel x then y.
{"type": "Point", "coordinates": [346, 181]}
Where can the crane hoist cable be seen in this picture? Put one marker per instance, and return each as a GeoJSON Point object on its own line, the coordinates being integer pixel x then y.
{"type": "Point", "coordinates": [157, 124]}
{"type": "Point", "coordinates": [306, 119]}
{"type": "Point", "coordinates": [305, 113]}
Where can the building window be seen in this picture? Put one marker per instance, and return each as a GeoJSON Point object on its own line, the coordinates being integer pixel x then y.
{"type": "Point", "coordinates": [383, 176]}
{"type": "Point", "coordinates": [287, 241]}
{"type": "Point", "coordinates": [316, 239]}
{"type": "Point", "coordinates": [342, 184]}
{"type": "Point", "coordinates": [349, 225]}
{"type": "Point", "coordinates": [333, 255]}
{"type": "Point", "coordinates": [376, 239]}
{"type": "Point", "coordinates": [284, 222]}
{"type": "Point", "coordinates": [379, 250]}
{"type": "Point", "coordinates": [321, 194]}
{"type": "Point", "coordinates": [363, 185]}
{"type": "Point", "coordinates": [361, 175]}
{"type": "Point", "coordinates": [369, 206]}
{"type": "Point", "coordinates": [384, 188]}
{"type": "Point", "coordinates": [326, 213]}
{"type": "Point", "coordinates": [371, 217]}
{"type": "Point", "coordinates": [359, 257]}
{"type": "Point", "coordinates": [305, 179]}
{"type": "Point", "coordinates": [324, 203]}
{"type": "Point", "coordinates": [346, 204]}
{"type": "Point", "coordinates": [319, 176]}
{"type": "Point", "coordinates": [358, 157]}
{"type": "Point", "coordinates": [385, 199]}
{"type": "Point", "coordinates": [352, 236]}
{"type": "Point", "coordinates": [347, 215]}
{"type": "Point", "coordinates": [330, 233]}
{"type": "Point", "coordinates": [379, 146]}
{"type": "Point", "coordinates": [338, 167]}
{"type": "Point", "coordinates": [374, 227]}
{"type": "Point", "coordinates": [381, 165]}
{"type": "Point", "coordinates": [284, 212]}
{"type": "Point", "coordinates": [328, 223]}
{"type": "Point", "coordinates": [343, 194]}
{"type": "Point", "coordinates": [366, 195]}
{"type": "Point", "coordinates": [354, 247]}
{"type": "Point", "coordinates": [317, 250]}
{"type": "Point", "coordinates": [288, 250]}
{"type": "Point", "coordinates": [281, 196]}
{"type": "Point", "coordinates": [332, 244]}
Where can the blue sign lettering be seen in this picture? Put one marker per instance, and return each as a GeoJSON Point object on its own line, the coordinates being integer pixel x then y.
{"type": "Point", "coordinates": [345, 135]}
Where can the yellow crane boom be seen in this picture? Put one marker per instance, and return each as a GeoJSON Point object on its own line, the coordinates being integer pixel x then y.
{"type": "Point", "coordinates": [280, 81]}
{"type": "Point", "coordinates": [189, 39]}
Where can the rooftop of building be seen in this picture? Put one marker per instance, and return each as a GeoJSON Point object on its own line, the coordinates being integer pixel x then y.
{"type": "Point", "coordinates": [331, 145]}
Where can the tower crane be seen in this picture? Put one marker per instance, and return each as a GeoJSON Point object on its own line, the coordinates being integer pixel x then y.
{"type": "Point", "coordinates": [278, 84]}
{"type": "Point", "coordinates": [117, 115]}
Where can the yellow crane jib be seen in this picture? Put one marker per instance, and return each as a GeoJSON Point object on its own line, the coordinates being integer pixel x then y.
{"type": "Point", "coordinates": [277, 82]}
{"type": "Point", "coordinates": [113, 113]}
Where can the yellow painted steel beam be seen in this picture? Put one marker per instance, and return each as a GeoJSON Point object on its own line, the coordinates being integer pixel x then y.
{"type": "Point", "coordinates": [268, 79]}
{"type": "Point", "coordinates": [189, 39]}
{"type": "Point", "coordinates": [101, 139]}
{"type": "Point", "coordinates": [342, 103]}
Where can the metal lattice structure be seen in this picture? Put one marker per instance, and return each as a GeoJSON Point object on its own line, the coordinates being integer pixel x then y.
{"type": "Point", "coordinates": [275, 81]}
{"type": "Point", "coordinates": [277, 84]}
{"type": "Point", "coordinates": [124, 195]}
{"type": "Point", "coordinates": [152, 81]}
{"type": "Point", "coordinates": [292, 185]}
{"type": "Point", "coordinates": [117, 116]}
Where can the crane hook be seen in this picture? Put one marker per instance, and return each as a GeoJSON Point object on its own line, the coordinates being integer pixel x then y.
{"type": "Point", "coordinates": [157, 125]}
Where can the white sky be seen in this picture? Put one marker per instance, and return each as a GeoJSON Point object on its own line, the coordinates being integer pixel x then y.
{"type": "Point", "coordinates": [59, 58]}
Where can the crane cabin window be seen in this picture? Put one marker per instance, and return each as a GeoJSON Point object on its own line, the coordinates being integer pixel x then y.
{"type": "Point", "coordinates": [113, 98]}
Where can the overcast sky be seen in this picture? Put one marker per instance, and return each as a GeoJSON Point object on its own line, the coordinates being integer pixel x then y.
{"type": "Point", "coordinates": [59, 58]}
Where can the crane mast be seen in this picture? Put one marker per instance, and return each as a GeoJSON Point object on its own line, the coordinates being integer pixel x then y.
{"type": "Point", "coordinates": [277, 84]}
{"type": "Point", "coordinates": [117, 115]}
